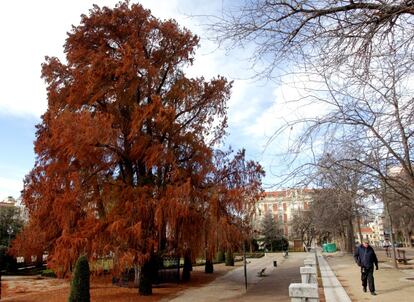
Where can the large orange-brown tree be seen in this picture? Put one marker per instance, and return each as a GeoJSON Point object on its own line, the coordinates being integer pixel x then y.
{"type": "Point", "coordinates": [125, 150]}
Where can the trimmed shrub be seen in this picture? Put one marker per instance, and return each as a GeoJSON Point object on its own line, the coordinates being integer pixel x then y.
{"type": "Point", "coordinates": [48, 273]}
{"type": "Point", "coordinates": [7, 262]}
{"type": "Point", "coordinates": [250, 255]}
{"type": "Point", "coordinates": [79, 289]}
{"type": "Point", "coordinates": [229, 259]}
{"type": "Point", "coordinates": [220, 256]}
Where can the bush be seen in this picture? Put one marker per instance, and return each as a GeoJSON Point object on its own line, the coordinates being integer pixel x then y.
{"type": "Point", "coordinates": [275, 245]}
{"type": "Point", "coordinates": [48, 273]}
{"type": "Point", "coordinates": [250, 255]}
{"type": "Point", "coordinates": [220, 256]}
{"type": "Point", "coordinates": [79, 289]}
{"type": "Point", "coordinates": [229, 259]}
{"type": "Point", "coordinates": [7, 262]}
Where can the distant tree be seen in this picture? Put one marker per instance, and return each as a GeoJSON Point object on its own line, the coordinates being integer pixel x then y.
{"type": "Point", "coordinates": [229, 258]}
{"type": "Point", "coordinates": [396, 209]}
{"type": "Point", "coordinates": [339, 203]}
{"type": "Point", "coordinates": [11, 224]}
{"type": "Point", "coordinates": [269, 230]}
{"type": "Point", "coordinates": [220, 256]}
{"type": "Point", "coordinates": [303, 226]}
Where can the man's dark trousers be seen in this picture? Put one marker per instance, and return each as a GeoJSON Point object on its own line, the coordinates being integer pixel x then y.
{"type": "Point", "coordinates": [367, 276]}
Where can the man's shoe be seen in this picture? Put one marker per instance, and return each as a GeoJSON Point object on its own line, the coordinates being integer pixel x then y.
{"type": "Point", "coordinates": [364, 289]}
{"type": "Point", "coordinates": [373, 293]}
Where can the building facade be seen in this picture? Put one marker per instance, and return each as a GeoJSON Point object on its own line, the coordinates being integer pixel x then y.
{"type": "Point", "coordinates": [282, 205]}
{"type": "Point", "coordinates": [16, 203]}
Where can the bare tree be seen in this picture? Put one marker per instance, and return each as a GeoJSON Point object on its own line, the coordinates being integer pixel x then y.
{"type": "Point", "coordinates": [303, 226]}
{"type": "Point", "coordinates": [399, 213]}
{"type": "Point", "coordinates": [332, 32]}
{"type": "Point", "coordinates": [374, 113]}
{"type": "Point", "coordinates": [339, 203]}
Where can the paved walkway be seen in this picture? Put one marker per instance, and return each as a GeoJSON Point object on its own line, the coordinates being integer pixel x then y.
{"type": "Point", "coordinates": [395, 285]}
{"type": "Point", "coordinates": [273, 286]}
{"type": "Point", "coordinates": [333, 290]}
{"type": "Point", "coordinates": [340, 278]}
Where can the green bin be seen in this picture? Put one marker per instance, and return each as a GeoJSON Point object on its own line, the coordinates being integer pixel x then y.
{"type": "Point", "coordinates": [330, 247]}
{"type": "Point", "coordinates": [324, 247]}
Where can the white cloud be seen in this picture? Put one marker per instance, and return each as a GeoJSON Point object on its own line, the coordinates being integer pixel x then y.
{"type": "Point", "coordinates": [294, 100]}
{"type": "Point", "coordinates": [10, 187]}
{"type": "Point", "coordinates": [30, 30]}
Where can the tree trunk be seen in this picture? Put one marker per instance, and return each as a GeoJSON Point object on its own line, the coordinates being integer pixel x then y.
{"type": "Point", "coordinates": [394, 256]}
{"type": "Point", "coordinates": [209, 268]}
{"type": "Point", "coordinates": [162, 241]}
{"type": "Point", "coordinates": [407, 237]}
{"type": "Point", "coordinates": [188, 267]}
{"type": "Point", "coordinates": [359, 229]}
{"type": "Point", "coordinates": [145, 279]}
{"type": "Point", "coordinates": [350, 237]}
{"type": "Point", "coordinates": [137, 274]}
{"type": "Point", "coordinates": [39, 260]}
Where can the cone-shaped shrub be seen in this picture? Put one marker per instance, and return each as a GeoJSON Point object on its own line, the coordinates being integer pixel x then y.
{"type": "Point", "coordinates": [220, 256]}
{"type": "Point", "coordinates": [229, 259]}
{"type": "Point", "coordinates": [79, 290]}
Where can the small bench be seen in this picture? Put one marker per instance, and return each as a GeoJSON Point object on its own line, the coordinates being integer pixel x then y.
{"type": "Point", "coordinates": [401, 256]}
{"type": "Point", "coordinates": [261, 273]}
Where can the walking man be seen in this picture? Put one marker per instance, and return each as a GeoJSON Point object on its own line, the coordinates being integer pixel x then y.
{"type": "Point", "coordinates": [366, 258]}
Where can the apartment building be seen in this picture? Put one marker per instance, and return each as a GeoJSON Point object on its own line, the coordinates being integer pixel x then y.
{"type": "Point", "coordinates": [282, 205]}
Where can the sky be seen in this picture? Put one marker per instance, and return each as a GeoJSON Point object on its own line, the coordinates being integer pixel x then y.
{"type": "Point", "coordinates": [30, 30]}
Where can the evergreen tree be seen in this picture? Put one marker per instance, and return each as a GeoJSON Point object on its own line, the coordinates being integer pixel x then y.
{"type": "Point", "coordinates": [269, 230]}
{"type": "Point", "coordinates": [229, 258]}
{"type": "Point", "coordinates": [220, 256]}
{"type": "Point", "coordinates": [79, 291]}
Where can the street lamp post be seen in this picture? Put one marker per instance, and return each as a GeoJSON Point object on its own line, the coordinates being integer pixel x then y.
{"type": "Point", "coordinates": [245, 264]}
{"type": "Point", "coordinates": [10, 232]}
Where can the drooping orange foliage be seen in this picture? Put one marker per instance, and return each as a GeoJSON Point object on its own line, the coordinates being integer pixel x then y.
{"type": "Point", "coordinates": [125, 152]}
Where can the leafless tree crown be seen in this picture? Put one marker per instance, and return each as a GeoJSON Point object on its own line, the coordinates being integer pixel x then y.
{"type": "Point", "coordinates": [332, 31]}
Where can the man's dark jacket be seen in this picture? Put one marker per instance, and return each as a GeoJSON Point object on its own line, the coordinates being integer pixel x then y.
{"type": "Point", "coordinates": [366, 257]}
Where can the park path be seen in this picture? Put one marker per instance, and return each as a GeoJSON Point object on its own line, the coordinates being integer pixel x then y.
{"type": "Point", "coordinates": [273, 286]}
{"type": "Point", "coordinates": [391, 284]}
